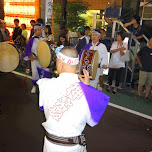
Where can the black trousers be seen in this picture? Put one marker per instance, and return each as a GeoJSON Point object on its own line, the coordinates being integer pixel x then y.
{"type": "Point", "coordinates": [112, 72]}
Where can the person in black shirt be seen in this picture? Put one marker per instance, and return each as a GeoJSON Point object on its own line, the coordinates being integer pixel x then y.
{"type": "Point", "coordinates": [82, 40]}
{"type": "Point", "coordinates": [16, 37]}
{"type": "Point", "coordinates": [102, 40]}
{"type": "Point", "coordinates": [144, 59]}
{"type": "Point", "coordinates": [32, 22]}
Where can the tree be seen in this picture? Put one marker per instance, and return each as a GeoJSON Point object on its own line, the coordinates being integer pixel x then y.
{"type": "Point", "coordinates": [73, 11]}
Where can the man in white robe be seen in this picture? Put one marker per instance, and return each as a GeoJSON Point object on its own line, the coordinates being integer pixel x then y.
{"type": "Point", "coordinates": [68, 104]}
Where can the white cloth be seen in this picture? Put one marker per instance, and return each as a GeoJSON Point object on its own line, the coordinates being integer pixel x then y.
{"type": "Point", "coordinates": [115, 58]}
{"type": "Point", "coordinates": [66, 110]}
{"type": "Point", "coordinates": [87, 39]}
{"type": "Point", "coordinates": [103, 60]}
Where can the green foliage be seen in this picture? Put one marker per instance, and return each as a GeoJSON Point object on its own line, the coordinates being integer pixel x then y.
{"type": "Point", "coordinates": [74, 10]}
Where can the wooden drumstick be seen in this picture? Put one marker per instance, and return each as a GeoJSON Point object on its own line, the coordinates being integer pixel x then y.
{"type": "Point", "coordinates": [84, 76]}
{"type": "Point", "coordinates": [80, 75]}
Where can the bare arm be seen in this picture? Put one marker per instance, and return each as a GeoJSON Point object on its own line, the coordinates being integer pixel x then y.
{"type": "Point", "coordinates": [128, 24]}
{"type": "Point", "coordinates": [138, 37]}
{"type": "Point", "coordinates": [115, 50]}
{"type": "Point", "coordinates": [139, 61]}
{"type": "Point", "coordinates": [18, 37]}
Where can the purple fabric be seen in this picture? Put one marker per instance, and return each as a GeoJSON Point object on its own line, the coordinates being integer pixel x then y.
{"type": "Point", "coordinates": [34, 82]}
{"type": "Point", "coordinates": [87, 47]}
{"type": "Point", "coordinates": [29, 47]}
{"type": "Point", "coordinates": [97, 101]}
{"type": "Point", "coordinates": [41, 108]}
{"type": "Point", "coordinates": [43, 74]}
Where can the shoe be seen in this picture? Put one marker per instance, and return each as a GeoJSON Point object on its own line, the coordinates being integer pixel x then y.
{"type": "Point", "coordinates": [27, 71]}
{"type": "Point", "coordinates": [113, 92]}
{"type": "Point", "coordinates": [107, 90]}
{"type": "Point", "coordinates": [137, 97]}
{"type": "Point", "coordinates": [146, 99]}
{"type": "Point", "coordinates": [33, 89]}
{"type": "Point", "coordinates": [99, 88]}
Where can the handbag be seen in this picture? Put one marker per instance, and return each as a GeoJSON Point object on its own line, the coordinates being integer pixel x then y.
{"type": "Point", "coordinates": [125, 57]}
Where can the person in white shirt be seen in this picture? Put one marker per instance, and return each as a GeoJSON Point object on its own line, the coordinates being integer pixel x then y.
{"type": "Point", "coordinates": [103, 55]}
{"type": "Point", "coordinates": [31, 54]}
{"type": "Point", "coordinates": [68, 105]}
{"type": "Point", "coordinates": [118, 49]}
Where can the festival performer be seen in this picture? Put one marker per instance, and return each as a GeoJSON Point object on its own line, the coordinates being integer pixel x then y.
{"type": "Point", "coordinates": [103, 55]}
{"type": "Point", "coordinates": [31, 54]}
{"type": "Point", "coordinates": [68, 105]}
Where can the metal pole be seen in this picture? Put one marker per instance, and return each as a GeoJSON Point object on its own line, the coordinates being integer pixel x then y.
{"type": "Point", "coordinates": [134, 60]}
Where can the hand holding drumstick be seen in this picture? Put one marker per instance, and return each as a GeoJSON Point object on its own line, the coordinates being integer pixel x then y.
{"type": "Point", "coordinates": [86, 79]}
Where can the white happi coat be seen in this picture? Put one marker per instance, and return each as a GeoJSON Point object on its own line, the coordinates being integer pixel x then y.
{"type": "Point", "coordinates": [63, 93]}
{"type": "Point", "coordinates": [103, 60]}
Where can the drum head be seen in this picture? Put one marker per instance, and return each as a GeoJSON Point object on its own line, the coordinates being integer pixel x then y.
{"type": "Point", "coordinates": [9, 57]}
{"type": "Point", "coordinates": [44, 54]}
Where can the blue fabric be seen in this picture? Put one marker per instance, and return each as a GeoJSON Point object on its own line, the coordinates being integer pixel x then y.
{"type": "Point", "coordinates": [87, 47]}
{"type": "Point", "coordinates": [34, 82]}
{"type": "Point", "coordinates": [43, 73]}
{"type": "Point", "coordinates": [41, 108]}
{"type": "Point", "coordinates": [29, 47]}
{"type": "Point", "coordinates": [112, 12]}
{"type": "Point", "coordinates": [97, 101]}
{"type": "Point", "coordinates": [135, 31]}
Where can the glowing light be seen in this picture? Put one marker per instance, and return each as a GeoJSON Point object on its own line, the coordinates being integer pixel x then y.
{"type": "Point", "coordinates": [7, 4]}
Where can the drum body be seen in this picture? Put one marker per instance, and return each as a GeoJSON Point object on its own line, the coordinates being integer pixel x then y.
{"type": "Point", "coordinates": [89, 61]}
{"type": "Point", "coordinates": [9, 57]}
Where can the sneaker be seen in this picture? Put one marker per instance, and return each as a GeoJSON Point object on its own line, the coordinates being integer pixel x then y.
{"type": "Point", "coordinates": [146, 99]}
{"type": "Point", "coordinates": [33, 89]}
{"type": "Point", "coordinates": [99, 88]}
{"type": "Point", "coordinates": [27, 71]}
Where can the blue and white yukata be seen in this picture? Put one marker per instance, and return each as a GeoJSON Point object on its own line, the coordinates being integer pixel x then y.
{"type": "Point", "coordinates": [37, 71]}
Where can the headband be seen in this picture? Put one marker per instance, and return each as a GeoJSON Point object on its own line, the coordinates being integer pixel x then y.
{"type": "Point", "coordinates": [67, 60]}
{"type": "Point", "coordinates": [96, 32]}
{"type": "Point", "coordinates": [37, 26]}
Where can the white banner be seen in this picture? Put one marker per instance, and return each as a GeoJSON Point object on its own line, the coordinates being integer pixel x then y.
{"type": "Point", "coordinates": [48, 12]}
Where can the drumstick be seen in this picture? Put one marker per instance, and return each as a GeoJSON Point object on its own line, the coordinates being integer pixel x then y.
{"type": "Point", "coordinates": [84, 76]}
{"type": "Point", "coordinates": [77, 74]}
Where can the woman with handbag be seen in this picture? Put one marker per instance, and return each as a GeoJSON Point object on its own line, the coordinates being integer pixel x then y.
{"type": "Point", "coordinates": [118, 50]}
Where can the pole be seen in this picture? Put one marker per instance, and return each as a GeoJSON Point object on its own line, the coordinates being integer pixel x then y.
{"type": "Point", "coordinates": [64, 13]}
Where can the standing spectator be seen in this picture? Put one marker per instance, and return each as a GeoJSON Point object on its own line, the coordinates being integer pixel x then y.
{"type": "Point", "coordinates": [40, 21]}
{"type": "Point", "coordinates": [63, 40]}
{"type": "Point", "coordinates": [32, 22]}
{"type": "Point", "coordinates": [137, 31]}
{"type": "Point", "coordinates": [48, 33]}
{"type": "Point", "coordinates": [111, 14]}
{"type": "Point", "coordinates": [4, 32]}
{"type": "Point", "coordinates": [82, 40]}
{"type": "Point", "coordinates": [16, 37]}
{"type": "Point", "coordinates": [102, 40]}
{"type": "Point", "coordinates": [144, 59]}
{"type": "Point", "coordinates": [24, 34]}
{"type": "Point", "coordinates": [118, 49]}
{"type": "Point", "coordinates": [87, 32]}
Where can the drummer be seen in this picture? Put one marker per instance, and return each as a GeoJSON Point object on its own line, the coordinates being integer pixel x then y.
{"type": "Point", "coordinates": [31, 54]}
{"type": "Point", "coordinates": [103, 55]}
{"type": "Point", "coordinates": [68, 105]}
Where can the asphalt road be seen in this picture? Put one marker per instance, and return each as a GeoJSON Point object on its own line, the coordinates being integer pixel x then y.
{"type": "Point", "coordinates": [21, 130]}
